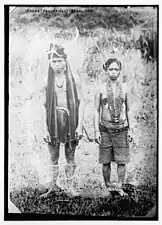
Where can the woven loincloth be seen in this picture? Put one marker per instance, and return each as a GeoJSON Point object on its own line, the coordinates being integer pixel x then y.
{"type": "Point", "coordinates": [63, 124]}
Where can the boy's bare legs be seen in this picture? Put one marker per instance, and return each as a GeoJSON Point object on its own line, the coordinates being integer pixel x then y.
{"type": "Point", "coordinates": [70, 166]}
{"type": "Point", "coordinates": [106, 171]}
{"type": "Point", "coordinates": [121, 171]}
{"type": "Point", "coordinates": [54, 154]}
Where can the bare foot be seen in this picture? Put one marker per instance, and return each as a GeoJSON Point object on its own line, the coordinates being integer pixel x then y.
{"type": "Point", "coordinates": [107, 191]}
{"type": "Point", "coordinates": [110, 187]}
{"type": "Point", "coordinates": [72, 193]}
{"type": "Point", "coordinates": [53, 188]}
{"type": "Point", "coordinates": [106, 194]}
{"type": "Point", "coordinates": [46, 194]}
{"type": "Point", "coordinates": [118, 188]}
{"type": "Point", "coordinates": [122, 193]}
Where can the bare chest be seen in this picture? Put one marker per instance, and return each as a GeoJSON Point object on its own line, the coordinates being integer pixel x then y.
{"type": "Point", "coordinates": [61, 95]}
{"type": "Point", "coordinates": [111, 94]}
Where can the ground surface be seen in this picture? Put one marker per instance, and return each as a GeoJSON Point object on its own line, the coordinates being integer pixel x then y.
{"type": "Point", "coordinates": [139, 201]}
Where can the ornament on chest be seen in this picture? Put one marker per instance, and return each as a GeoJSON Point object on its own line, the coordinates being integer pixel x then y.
{"type": "Point", "coordinates": [114, 104]}
{"type": "Point", "coordinates": [60, 87]}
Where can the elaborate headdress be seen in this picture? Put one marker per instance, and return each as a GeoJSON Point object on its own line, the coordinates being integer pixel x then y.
{"type": "Point", "coordinates": [56, 51]}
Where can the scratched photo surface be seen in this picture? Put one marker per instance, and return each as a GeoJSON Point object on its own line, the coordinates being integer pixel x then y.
{"type": "Point", "coordinates": [85, 37]}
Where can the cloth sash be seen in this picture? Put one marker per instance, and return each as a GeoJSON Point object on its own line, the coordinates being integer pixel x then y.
{"type": "Point", "coordinates": [52, 105]}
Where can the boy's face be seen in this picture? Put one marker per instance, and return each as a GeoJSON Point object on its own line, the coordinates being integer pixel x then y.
{"type": "Point", "coordinates": [58, 64]}
{"type": "Point", "coordinates": [113, 71]}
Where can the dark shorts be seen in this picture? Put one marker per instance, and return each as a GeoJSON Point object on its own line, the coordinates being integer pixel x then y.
{"type": "Point", "coordinates": [114, 146]}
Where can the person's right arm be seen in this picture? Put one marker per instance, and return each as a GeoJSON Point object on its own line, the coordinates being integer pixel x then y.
{"type": "Point", "coordinates": [97, 116]}
{"type": "Point", "coordinates": [45, 110]}
{"type": "Point", "coordinates": [44, 119]}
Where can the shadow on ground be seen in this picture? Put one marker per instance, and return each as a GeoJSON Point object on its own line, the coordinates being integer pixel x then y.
{"type": "Point", "coordinates": [138, 202]}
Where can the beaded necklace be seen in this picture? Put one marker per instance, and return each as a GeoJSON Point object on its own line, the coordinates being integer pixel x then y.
{"type": "Point", "coordinates": [115, 100]}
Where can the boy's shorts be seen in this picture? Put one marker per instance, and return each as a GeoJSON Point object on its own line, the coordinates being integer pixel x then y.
{"type": "Point", "coordinates": [114, 146]}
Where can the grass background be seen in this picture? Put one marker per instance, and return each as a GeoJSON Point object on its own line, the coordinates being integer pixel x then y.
{"type": "Point", "coordinates": [30, 36]}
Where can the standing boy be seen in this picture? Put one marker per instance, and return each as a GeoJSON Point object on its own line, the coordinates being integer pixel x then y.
{"type": "Point", "coordinates": [111, 123]}
{"type": "Point", "coordinates": [64, 114]}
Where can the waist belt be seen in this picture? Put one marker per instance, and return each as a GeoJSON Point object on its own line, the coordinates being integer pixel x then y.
{"type": "Point", "coordinates": [112, 130]}
{"type": "Point", "coordinates": [118, 130]}
{"type": "Point", "coordinates": [62, 108]}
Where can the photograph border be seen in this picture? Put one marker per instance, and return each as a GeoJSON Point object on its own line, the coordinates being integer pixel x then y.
{"type": "Point", "coordinates": [45, 217]}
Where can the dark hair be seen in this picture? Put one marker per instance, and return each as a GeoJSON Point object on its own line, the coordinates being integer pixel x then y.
{"type": "Point", "coordinates": [110, 61]}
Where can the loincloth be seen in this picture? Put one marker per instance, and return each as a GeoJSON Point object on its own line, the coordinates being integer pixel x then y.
{"type": "Point", "coordinates": [62, 123]}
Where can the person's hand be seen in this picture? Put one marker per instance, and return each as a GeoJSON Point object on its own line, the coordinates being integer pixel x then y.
{"type": "Point", "coordinates": [79, 133]}
{"type": "Point", "coordinates": [47, 137]}
{"type": "Point", "coordinates": [97, 137]}
{"type": "Point", "coordinates": [129, 137]}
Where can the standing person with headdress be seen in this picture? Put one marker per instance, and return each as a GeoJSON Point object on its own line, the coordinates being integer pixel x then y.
{"type": "Point", "coordinates": [111, 123]}
{"type": "Point", "coordinates": [64, 114]}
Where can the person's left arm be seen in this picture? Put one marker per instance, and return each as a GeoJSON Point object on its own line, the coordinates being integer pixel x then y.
{"type": "Point", "coordinates": [127, 104]}
{"type": "Point", "coordinates": [81, 95]}
{"type": "Point", "coordinates": [127, 109]}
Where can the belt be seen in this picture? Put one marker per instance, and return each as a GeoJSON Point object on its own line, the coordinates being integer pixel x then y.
{"type": "Point", "coordinates": [118, 130]}
{"type": "Point", "coordinates": [62, 108]}
{"type": "Point", "coordinates": [113, 130]}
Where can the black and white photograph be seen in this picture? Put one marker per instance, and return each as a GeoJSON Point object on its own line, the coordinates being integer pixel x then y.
{"type": "Point", "coordinates": [81, 90]}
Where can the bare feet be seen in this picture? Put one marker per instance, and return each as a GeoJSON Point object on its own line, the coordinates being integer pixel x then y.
{"type": "Point", "coordinates": [109, 187]}
{"type": "Point", "coordinates": [118, 188]}
{"type": "Point", "coordinates": [72, 193]}
{"type": "Point", "coordinates": [52, 189]}
{"type": "Point", "coordinates": [106, 194]}
{"type": "Point", "coordinates": [107, 191]}
{"type": "Point", "coordinates": [46, 194]}
{"type": "Point", "coordinates": [122, 193]}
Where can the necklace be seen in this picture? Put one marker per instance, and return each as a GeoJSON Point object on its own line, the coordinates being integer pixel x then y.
{"type": "Point", "coordinates": [115, 100]}
{"type": "Point", "coordinates": [60, 86]}
{"type": "Point", "coordinates": [114, 93]}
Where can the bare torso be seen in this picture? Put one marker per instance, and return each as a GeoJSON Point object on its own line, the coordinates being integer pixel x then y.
{"type": "Point", "coordinates": [61, 95]}
{"type": "Point", "coordinates": [62, 108]}
{"type": "Point", "coordinates": [106, 117]}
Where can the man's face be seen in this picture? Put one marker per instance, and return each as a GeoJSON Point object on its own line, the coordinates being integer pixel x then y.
{"type": "Point", "coordinates": [113, 71]}
{"type": "Point", "coordinates": [58, 64]}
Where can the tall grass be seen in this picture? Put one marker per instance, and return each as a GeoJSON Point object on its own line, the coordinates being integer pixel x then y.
{"type": "Point", "coordinates": [28, 64]}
